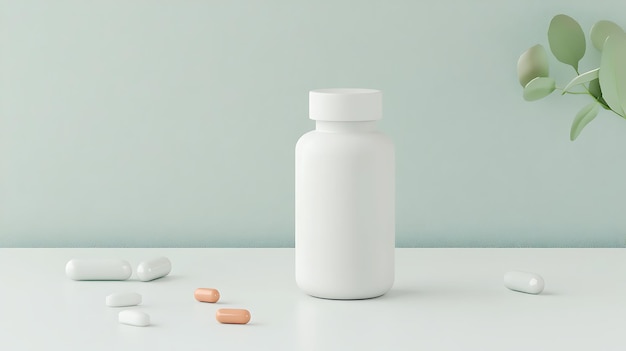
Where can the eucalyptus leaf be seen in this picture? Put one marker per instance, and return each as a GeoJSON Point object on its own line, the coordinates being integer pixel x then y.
{"type": "Point", "coordinates": [539, 88]}
{"type": "Point", "coordinates": [594, 88]}
{"type": "Point", "coordinates": [567, 40]}
{"type": "Point", "coordinates": [601, 30]}
{"type": "Point", "coordinates": [532, 63]}
{"type": "Point", "coordinates": [596, 92]}
{"type": "Point", "coordinates": [613, 72]}
{"type": "Point", "coordinates": [583, 117]}
{"type": "Point", "coordinates": [582, 79]}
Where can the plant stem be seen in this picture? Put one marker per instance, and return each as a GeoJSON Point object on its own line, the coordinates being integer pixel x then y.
{"type": "Point", "coordinates": [586, 92]}
{"type": "Point", "coordinates": [584, 86]}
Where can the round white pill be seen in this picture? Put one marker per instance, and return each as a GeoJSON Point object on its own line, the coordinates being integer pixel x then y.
{"type": "Point", "coordinates": [123, 299]}
{"type": "Point", "coordinates": [525, 282]}
{"type": "Point", "coordinates": [98, 269]}
{"type": "Point", "coordinates": [154, 269]}
{"type": "Point", "coordinates": [135, 318]}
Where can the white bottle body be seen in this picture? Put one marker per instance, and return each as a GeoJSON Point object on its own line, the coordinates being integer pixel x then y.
{"type": "Point", "coordinates": [345, 211]}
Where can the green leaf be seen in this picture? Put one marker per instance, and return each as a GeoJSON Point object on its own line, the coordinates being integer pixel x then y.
{"type": "Point", "coordinates": [532, 63]}
{"type": "Point", "coordinates": [594, 88]}
{"type": "Point", "coordinates": [601, 30]}
{"type": "Point", "coordinates": [583, 117]}
{"type": "Point", "coordinates": [613, 72]}
{"type": "Point", "coordinates": [567, 40]}
{"type": "Point", "coordinates": [582, 79]}
{"type": "Point", "coordinates": [538, 88]}
{"type": "Point", "coordinates": [596, 92]}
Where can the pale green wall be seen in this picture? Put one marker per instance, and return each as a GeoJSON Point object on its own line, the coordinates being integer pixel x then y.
{"type": "Point", "coordinates": [173, 123]}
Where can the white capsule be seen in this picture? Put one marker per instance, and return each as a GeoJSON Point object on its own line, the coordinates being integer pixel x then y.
{"type": "Point", "coordinates": [525, 282]}
{"type": "Point", "coordinates": [153, 269]}
{"type": "Point", "coordinates": [97, 269]}
{"type": "Point", "coordinates": [134, 317]}
{"type": "Point", "coordinates": [123, 299]}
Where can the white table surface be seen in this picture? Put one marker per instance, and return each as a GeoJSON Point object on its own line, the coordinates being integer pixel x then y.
{"type": "Point", "coordinates": [442, 299]}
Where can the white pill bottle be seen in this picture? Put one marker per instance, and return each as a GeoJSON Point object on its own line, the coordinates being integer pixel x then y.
{"type": "Point", "coordinates": [345, 198]}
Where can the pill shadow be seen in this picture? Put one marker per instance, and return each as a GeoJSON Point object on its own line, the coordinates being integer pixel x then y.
{"type": "Point", "coordinates": [121, 308]}
{"type": "Point", "coordinates": [168, 278]}
{"type": "Point", "coordinates": [249, 324]}
{"type": "Point", "coordinates": [543, 293]}
{"type": "Point", "coordinates": [550, 293]}
{"type": "Point", "coordinates": [135, 327]}
{"type": "Point", "coordinates": [400, 294]}
{"type": "Point", "coordinates": [217, 303]}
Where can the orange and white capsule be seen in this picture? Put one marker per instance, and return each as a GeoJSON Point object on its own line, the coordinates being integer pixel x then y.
{"type": "Point", "coordinates": [207, 295]}
{"type": "Point", "coordinates": [232, 316]}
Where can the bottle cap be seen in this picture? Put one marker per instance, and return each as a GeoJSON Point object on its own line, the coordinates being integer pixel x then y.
{"type": "Point", "coordinates": [345, 105]}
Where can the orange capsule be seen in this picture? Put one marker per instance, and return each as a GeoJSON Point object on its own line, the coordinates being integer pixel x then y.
{"type": "Point", "coordinates": [206, 295]}
{"type": "Point", "coordinates": [232, 316]}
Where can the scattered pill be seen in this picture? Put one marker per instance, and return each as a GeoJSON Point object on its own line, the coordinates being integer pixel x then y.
{"type": "Point", "coordinates": [206, 295]}
{"type": "Point", "coordinates": [154, 269]}
{"type": "Point", "coordinates": [123, 299]}
{"type": "Point", "coordinates": [232, 316]}
{"type": "Point", "coordinates": [525, 282]}
{"type": "Point", "coordinates": [98, 269]}
{"type": "Point", "coordinates": [135, 318]}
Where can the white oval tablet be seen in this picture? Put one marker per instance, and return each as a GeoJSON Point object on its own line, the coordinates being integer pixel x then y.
{"type": "Point", "coordinates": [525, 282]}
{"type": "Point", "coordinates": [98, 269]}
{"type": "Point", "coordinates": [133, 317]}
{"type": "Point", "coordinates": [153, 269]}
{"type": "Point", "coordinates": [123, 299]}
